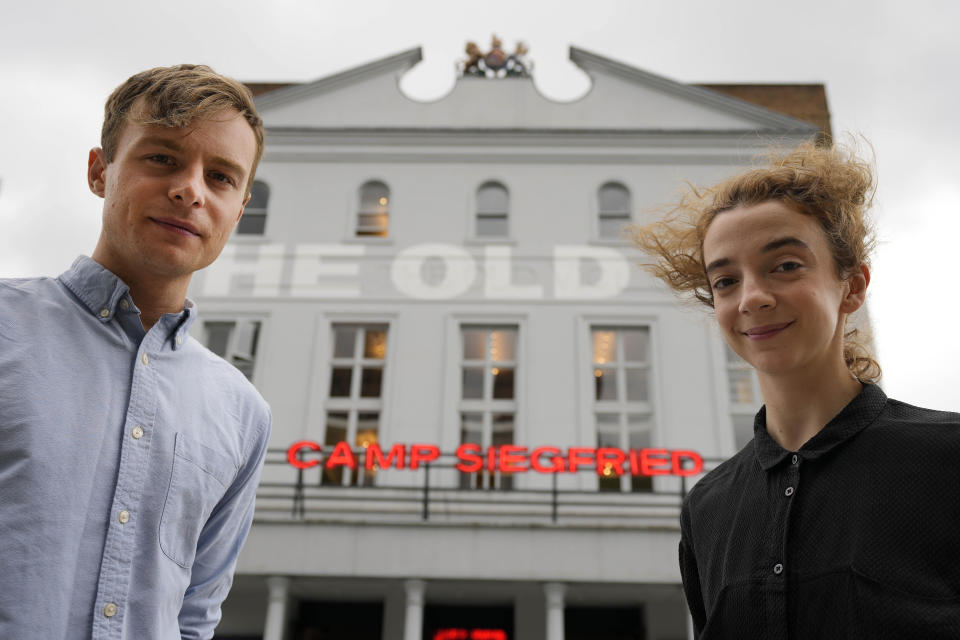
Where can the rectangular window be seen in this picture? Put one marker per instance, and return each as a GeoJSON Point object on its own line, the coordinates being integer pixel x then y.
{"type": "Point", "coordinates": [235, 341]}
{"type": "Point", "coordinates": [354, 399]}
{"type": "Point", "coordinates": [743, 391]}
{"type": "Point", "coordinates": [488, 406]}
{"type": "Point", "coordinates": [621, 398]}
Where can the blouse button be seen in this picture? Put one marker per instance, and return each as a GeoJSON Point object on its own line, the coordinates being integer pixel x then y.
{"type": "Point", "coordinates": [778, 568]}
{"type": "Point", "coordinates": [788, 492]}
{"type": "Point", "coordinates": [795, 459]}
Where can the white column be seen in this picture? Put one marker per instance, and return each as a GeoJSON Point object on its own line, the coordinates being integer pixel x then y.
{"type": "Point", "coordinates": [554, 592]}
{"type": "Point", "coordinates": [413, 621]}
{"type": "Point", "coordinates": [276, 624]}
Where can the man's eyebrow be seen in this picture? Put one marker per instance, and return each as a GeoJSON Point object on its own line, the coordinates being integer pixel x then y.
{"type": "Point", "coordinates": [770, 246]}
{"type": "Point", "coordinates": [173, 145]}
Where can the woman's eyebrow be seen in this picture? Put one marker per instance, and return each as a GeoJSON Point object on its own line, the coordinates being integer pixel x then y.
{"type": "Point", "coordinates": [770, 246]}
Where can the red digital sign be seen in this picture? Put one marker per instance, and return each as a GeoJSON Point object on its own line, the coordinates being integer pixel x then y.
{"type": "Point", "coordinates": [470, 634]}
{"type": "Point", "coordinates": [471, 458]}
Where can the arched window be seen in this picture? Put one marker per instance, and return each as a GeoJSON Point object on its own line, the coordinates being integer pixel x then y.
{"type": "Point", "coordinates": [254, 218]}
{"type": "Point", "coordinates": [493, 208]}
{"type": "Point", "coordinates": [614, 209]}
{"type": "Point", "coordinates": [373, 217]}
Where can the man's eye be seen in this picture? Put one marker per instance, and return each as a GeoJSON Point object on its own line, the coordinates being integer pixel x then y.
{"type": "Point", "coordinates": [161, 158]}
{"type": "Point", "coordinates": [221, 177]}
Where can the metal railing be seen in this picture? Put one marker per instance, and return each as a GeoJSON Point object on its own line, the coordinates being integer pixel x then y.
{"type": "Point", "coordinates": [440, 495]}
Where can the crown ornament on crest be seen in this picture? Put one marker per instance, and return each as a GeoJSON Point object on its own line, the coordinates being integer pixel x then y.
{"type": "Point", "coordinates": [495, 63]}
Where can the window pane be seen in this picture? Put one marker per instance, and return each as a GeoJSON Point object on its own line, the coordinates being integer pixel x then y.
{"type": "Point", "coordinates": [608, 438]}
{"type": "Point", "coordinates": [610, 227]}
{"type": "Point", "coordinates": [492, 198]}
{"type": "Point", "coordinates": [252, 223]}
{"type": "Point", "coordinates": [340, 382]}
{"type": "Point", "coordinates": [474, 344]}
{"type": "Point", "coordinates": [259, 195]}
{"type": "Point", "coordinates": [638, 424]}
{"type": "Point", "coordinates": [370, 382]}
{"type": "Point", "coordinates": [740, 385]}
{"type": "Point", "coordinates": [372, 222]}
{"type": "Point", "coordinates": [344, 339]}
{"type": "Point", "coordinates": [218, 336]}
{"type": "Point", "coordinates": [742, 430]}
{"type": "Point", "coordinates": [609, 422]}
{"type": "Point", "coordinates": [503, 345]}
{"type": "Point", "coordinates": [492, 226]}
{"type": "Point", "coordinates": [374, 197]}
{"type": "Point", "coordinates": [502, 383]}
{"type": "Point", "coordinates": [604, 346]}
{"type": "Point", "coordinates": [614, 198]}
{"type": "Point", "coordinates": [375, 344]}
{"type": "Point", "coordinates": [471, 428]}
{"type": "Point", "coordinates": [502, 429]}
{"type": "Point", "coordinates": [635, 344]}
{"type": "Point", "coordinates": [336, 432]}
{"type": "Point", "coordinates": [472, 382]}
{"type": "Point", "coordinates": [367, 426]}
{"type": "Point", "coordinates": [606, 384]}
{"type": "Point", "coordinates": [637, 385]}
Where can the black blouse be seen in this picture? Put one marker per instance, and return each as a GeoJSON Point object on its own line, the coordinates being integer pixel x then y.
{"type": "Point", "coordinates": [856, 535]}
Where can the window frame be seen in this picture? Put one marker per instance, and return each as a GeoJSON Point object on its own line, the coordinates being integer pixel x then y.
{"type": "Point", "coordinates": [599, 214]}
{"type": "Point", "coordinates": [199, 332]}
{"type": "Point", "coordinates": [249, 211]}
{"type": "Point", "coordinates": [478, 214]}
{"type": "Point", "coordinates": [358, 211]}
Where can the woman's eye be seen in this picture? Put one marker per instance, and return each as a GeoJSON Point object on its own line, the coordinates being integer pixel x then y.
{"type": "Point", "coordinates": [722, 283]}
{"type": "Point", "coordinates": [788, 266]}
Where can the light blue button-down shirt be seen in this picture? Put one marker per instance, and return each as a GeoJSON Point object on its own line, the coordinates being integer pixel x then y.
{"type": "Point", "coordinates": [129, 461]}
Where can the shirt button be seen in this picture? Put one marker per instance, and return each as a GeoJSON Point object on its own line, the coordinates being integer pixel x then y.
{"type": "Point", "coordinates": [144, 359]}
{"type": "Point", "coordinates": [137, 432]}
{"type": "Point", "coordinates": [123, 516]}
{"type": "Point", "coordinates": [788, 492]}
{"type": "Point", "coordinates": [795, 459]}
{"type": "Point", "coordinates": [778, 568]}
{"type": "Point", "coordinates": [124, 304]}
{"type": "Point", "coordinates": [104, 313]}
{"type": "Point", "coordinates": [110, 610]}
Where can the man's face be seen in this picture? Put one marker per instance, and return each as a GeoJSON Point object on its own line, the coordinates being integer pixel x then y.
{"type": "Point", "coordinates": [171, 195]}
{"type": "Point", "coordinates": [777, 297]}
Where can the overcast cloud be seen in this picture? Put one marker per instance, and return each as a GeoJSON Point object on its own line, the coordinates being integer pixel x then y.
{"type": "Point", "coordinates": [890, 69]}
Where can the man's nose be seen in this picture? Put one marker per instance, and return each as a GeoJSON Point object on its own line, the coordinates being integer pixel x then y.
{"type": "Point", "coordinates": [187, 187]}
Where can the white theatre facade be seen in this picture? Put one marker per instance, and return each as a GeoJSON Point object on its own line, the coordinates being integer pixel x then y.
{"type": "Point", "coordinates": [445, 284]}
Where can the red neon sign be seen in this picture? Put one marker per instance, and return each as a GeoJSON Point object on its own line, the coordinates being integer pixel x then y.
{"type": "Point", "coordinates": [471, 458]}
{"type": "Point", "coordinates": [471, 634]}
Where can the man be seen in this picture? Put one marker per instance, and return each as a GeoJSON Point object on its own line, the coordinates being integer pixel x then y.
{"type": "Point", "coordinates": [129, 454]}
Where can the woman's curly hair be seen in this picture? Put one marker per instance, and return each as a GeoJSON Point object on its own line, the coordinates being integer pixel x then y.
{"type": "Point", "coordinates": [832, 184]}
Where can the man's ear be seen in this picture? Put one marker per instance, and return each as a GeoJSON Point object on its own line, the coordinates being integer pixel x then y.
{"type": "Point", "coordinates": [856, 293]}
{"type": "Point", "coordinates": [97, 171]}
{"type": "Point", "coordinates": [242, 206]}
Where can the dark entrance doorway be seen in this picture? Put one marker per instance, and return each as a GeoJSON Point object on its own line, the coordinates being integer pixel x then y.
{"type": "Point", "coordinates": [456, 622]}
{"type": "Point", "coordinates": [338, 620]}
{"type": "Point", "coordinates": [609, 623]}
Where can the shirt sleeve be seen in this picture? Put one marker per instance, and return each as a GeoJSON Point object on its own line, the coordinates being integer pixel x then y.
{"type": "Point", "coordinates": [219, 546]}
{"type": "Point", "coordinates": [691, 575]}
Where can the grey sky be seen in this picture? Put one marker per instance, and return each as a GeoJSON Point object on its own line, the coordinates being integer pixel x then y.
{"type": "Point", "coordinates": [890, 69]}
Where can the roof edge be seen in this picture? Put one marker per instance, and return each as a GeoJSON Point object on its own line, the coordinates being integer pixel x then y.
{"type": "Point", "coordinates": [398, 61]}
{"type": "Point", "coordinates": [589, 61]}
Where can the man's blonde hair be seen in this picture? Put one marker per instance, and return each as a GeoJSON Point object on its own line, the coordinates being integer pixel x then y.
{"type": "Point", "coordinates": [174, 97]}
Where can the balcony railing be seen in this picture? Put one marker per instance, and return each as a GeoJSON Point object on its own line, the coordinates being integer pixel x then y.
{"type": "Point", "coordinates": [438, 496]}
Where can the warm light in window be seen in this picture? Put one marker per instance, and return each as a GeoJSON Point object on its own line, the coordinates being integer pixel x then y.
{"type": "Point", "coordinates": [607, 470]}
{"type": "Point", "coordinates": [366, 438]}
{"type": "Point", "coordinates": [495, 371]}
{"type": "Point", "coordinates": [604, 346]}
{"type": "Point", "coordinates": [383, 200]}
{"type": "Point", "coordinates": [598, 373]}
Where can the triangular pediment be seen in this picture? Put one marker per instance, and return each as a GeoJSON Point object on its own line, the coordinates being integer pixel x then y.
{"type": "Point", "coordinates": [621, 97]}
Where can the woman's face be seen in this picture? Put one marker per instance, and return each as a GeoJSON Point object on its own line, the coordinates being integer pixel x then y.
{"type": "Point", "coordinates": [777, 297]}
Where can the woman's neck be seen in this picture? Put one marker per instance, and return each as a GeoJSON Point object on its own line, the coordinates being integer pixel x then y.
{"type": "Point", "coordinates": [800, 405]}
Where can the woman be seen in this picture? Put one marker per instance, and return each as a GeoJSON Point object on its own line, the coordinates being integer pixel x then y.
{"type": "Point", "coordinates": [838, 520]}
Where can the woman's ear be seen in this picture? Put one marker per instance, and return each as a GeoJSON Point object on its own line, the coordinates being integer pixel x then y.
{"type": "Point", "coordinates": [856, 293]}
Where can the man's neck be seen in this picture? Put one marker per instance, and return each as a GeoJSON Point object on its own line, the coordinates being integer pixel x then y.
{"type": "Point", "coordinates": [153, 295]}
{"type": "Point", "coordinates": [799, 406]}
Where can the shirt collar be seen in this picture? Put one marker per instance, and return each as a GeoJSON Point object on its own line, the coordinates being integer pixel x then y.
{"type": "Point", "coordinates": [105, 295]}
{"type": "Point", "coordinates": [856, 416]}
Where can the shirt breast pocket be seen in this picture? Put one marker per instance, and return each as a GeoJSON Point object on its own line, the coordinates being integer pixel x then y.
{"type": "Point", "coordinates": [198, 480]}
